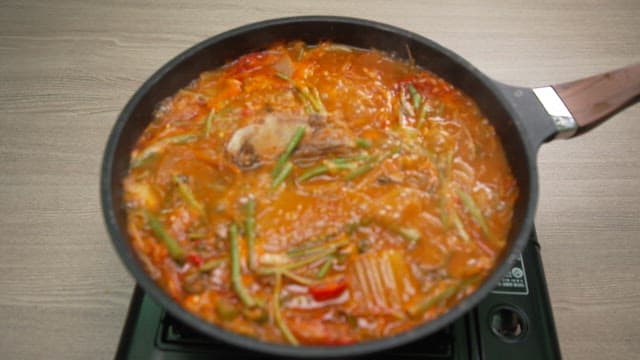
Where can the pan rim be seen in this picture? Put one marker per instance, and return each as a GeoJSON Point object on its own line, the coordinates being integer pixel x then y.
{"type": "Point", "coordinates": [121, 243]}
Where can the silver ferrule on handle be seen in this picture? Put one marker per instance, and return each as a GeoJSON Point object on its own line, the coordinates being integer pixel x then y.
{"type": "Point", "coordinates": [562, 118]}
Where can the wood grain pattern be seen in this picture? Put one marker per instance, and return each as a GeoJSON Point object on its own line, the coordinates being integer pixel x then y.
{"type": "Point", "coordinates": [67, 68]}
{"type": "Point", "coordinates": [596, 98]}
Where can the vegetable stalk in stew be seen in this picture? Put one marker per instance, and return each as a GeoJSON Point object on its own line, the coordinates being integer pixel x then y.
{"type": "Point", "coordinates": [318, 195]}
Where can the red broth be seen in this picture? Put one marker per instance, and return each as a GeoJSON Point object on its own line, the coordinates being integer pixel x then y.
{"type": "Point", "coordinates": [318, 195]}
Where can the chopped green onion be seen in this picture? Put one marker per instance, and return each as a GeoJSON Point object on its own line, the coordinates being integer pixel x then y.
{"type": "Point", "coordinates": [459, 226]}
{"type": "Point", "coordinates": [428, 303]}
{"type": "Point", "coordinates": [342, 161]}
{"type": "Point", "coordinates": [352, 227]}
{"type": "Point", "coordinates": [350, 159]}
{"type": "Point", "coordinates": [312, 105]}
{"type": "Point", "coordinates": [187, 195]}
{"type": "Point", "coordinates": [409, 233]}
{"type": "Point", "coordinates": [142, 161]}
{"type": "Point", "coordinates": [192, 284]}
{"type": "Point", "coordinates": [311, 173]}
{"type": "Point", "coordinates": [475, 211]}
{"type": "Point", "coordinates": [444, 213]}
{"type": "Point", "coordinates": [422, 307]}
{"type": "Point", "coordinates": [336, 47]}
{"type": "Point", "coordinates": [369, 163]}
{"type": "Point", "coordinates": [312, 98]}
{"type": "Point", "coordinates": [362, 169]}
{"type": "Point", "coordinates": [422, 114]}
{"type": "Point", "coordinates": [307, 105]}
{"type": "Point", "coordinates": [207, 123]}
{"type": "Point", "coordinates": [236, 277]}
{"type": "Point", "coordinates": [175, 250]}
{"type": "Point", "coordinates": [333, 165]}
{"type": "Point", "coordinates": [401, 108]}
{"type": "Point", "coordinates": [210, 265]}
{"type": "Point", "coordinates": [415, 96]}
{"type": "Point", "coordinates": [293, 143]}
{"type": "Point", "coordinates": [257, 314]}
{"type": "Point", "coordinates": [295, 265]}
{"type": "Point", "coordinates": [316, 101]}
{"type": "Point", "coordinates": [301, 279]}
{"type": "Point", "coordinates": [277, 315]}
{"type": "Point", "coordinates": [250, 228]}
{"type": "Point", "coordinates": [159, 146]}
{"type": "Point", "coordinates": [443, 175]}
{"type": "Point", "coordinates": [412, 61]}
{"type": "Point", "coordinates": [315, 245]}
{"type": "Point", "coordinates": [325, 267]}
{"type": "Point", "coordinates": [226, 310]}
{"type": "Point", "coordinates": [304, 251]}
{"type": "Point", "coordinates": [338, 164]}
{"type": "Point", "coordinates": [279, 179]}
{"type": "Point", "coordinates": [196, 235]}
{"type": "Point", "coordinates": [363, 143]}
{"type": "Point", "coordinates": [300, 53]}
{"type": "Point", "coordinates": [284, 77]}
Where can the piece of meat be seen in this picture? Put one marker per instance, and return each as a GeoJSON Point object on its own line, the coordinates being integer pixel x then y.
{"type": "Point", "coordinates": [266, 140]}
{"type": "Point", "coordinates": [240, 146]}
{"type": "Point", "coordinates": [325, 139]}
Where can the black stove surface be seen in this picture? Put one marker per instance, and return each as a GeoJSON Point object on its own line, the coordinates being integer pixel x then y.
{"type": "Point", "coordinates": [512, 322]}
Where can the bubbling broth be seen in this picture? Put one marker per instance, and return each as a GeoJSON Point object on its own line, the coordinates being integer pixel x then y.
{"type": "Point", "coordinates": [318, 195]}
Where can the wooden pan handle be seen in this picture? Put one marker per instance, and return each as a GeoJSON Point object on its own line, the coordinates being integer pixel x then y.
{"type": "Point", "coordinates": [594, 99]}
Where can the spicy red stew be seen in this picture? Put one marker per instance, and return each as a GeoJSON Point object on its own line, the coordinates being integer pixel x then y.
{"type": "Point", "coordinates": [318, 195]}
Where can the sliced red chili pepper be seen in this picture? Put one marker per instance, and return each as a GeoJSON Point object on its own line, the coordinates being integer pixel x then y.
{"type": "Point", "coordinates": [195, 259]}
{"type": "Point", "coordinates": [328, 291]}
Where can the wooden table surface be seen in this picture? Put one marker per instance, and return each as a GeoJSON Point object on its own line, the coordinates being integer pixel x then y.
{"type": "Point", "coordinates": [68, 67]}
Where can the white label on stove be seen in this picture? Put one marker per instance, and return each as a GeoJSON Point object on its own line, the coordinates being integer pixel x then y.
{"type": "Point", "coordinates": [515, 282]}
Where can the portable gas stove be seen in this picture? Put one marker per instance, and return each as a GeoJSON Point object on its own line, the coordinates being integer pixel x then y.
{"type": "Point", "coordinates": [513, 322]}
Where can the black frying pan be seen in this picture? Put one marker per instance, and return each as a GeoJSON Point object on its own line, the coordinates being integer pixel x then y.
{"type": "Point", "coordinates": [524, 119]}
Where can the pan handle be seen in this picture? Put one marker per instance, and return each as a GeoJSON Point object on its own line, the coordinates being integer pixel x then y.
{"type": "Point", "coordinates": [578, 106]}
